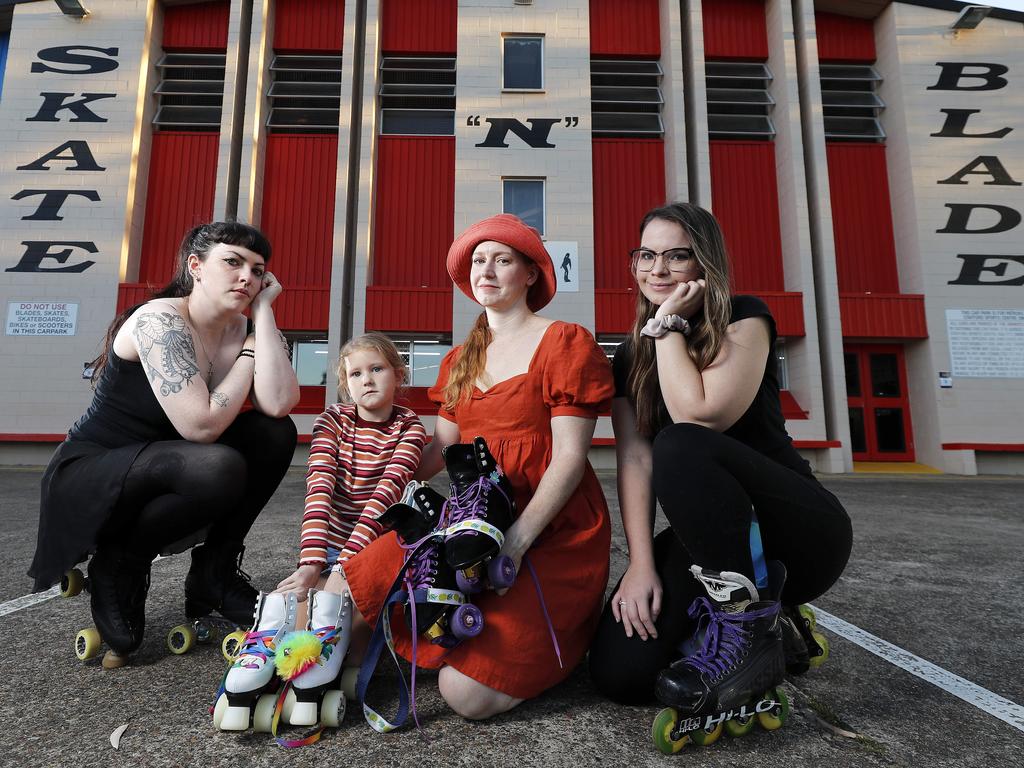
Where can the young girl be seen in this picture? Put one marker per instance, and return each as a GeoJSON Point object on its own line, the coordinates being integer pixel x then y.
{"type": "Point", "coordinates": [364, 451]}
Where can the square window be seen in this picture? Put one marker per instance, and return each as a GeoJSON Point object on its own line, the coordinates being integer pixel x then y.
{"type": "Point", "coordinates": [522, 63]}
{"type": "Point", "coordinates": [525, 199]}
{"type": "Point", "coordinates": [310, 361]}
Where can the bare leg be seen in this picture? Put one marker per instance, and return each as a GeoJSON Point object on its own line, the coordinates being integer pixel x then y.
{"type": "Point", "coordinates": [471, 698]}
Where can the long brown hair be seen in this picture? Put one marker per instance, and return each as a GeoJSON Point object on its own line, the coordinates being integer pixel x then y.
{"type": "Point", "coordinates": [198, 241]}
{"type": "Point", "coordinates": [709, 325]}
{"type": "Point", "coordinates": [469, 365]}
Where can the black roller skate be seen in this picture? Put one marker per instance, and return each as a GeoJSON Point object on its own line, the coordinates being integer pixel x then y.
{"type": "Point", "coordinates": [730, 682]}
{"type": "Point", "coordinates": [217, 583]}
{"type": "Point", "coordinates": [805, 647]}
{"type": "Point", "coordinates": [118, 584]}
{"type": "Point", "coordinates": [434, 604]}
{"type": "Point", "coordinates": [481, 508]}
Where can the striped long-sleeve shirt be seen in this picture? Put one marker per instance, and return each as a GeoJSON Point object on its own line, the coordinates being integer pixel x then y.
{"type": "Point", "coordinates": [356, 470]}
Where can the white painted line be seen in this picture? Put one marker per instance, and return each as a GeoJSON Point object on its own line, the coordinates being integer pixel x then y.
{"type": "Point", "coordinates": [982, 698]}
{"type": "Point", "coordinates": [27, 601]}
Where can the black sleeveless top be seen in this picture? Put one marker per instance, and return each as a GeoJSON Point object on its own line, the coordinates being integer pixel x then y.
{"type": "Point", "coordinates": [124, 409]}
{"type": "Point", "coordinates": [762, 426]}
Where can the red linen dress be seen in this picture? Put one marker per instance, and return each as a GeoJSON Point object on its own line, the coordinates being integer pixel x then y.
{"type": "Point", "coordinates": [568, 376]}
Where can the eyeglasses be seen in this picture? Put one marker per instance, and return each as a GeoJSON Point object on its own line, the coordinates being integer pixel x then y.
{"type": "Point", "coordinates": [676, 259]}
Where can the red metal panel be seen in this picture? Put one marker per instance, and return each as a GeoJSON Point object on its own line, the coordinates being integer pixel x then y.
{"type": "Point", "coordinates": [303, 307]}
{"type": "Point", "coordinates": [196, 27]}
{"type": "Point", "coordinates": [427, 310]}
{"type": "Point", "coordinates": [790, 407]}
{"type": "Point", "coordinates": [745, 200]}
{"type": "Point", "coordinates": [629, 180]}
{"type": "Point", "coordinates": [625, 28]}
{"type": "Point", "coordinates": [788, 310]}
{"type": "Point", "coordinates": [614, 309]}
{"type": "Point", "coordinates": [311, 399]}
{"type": "Point", "coordinates": [182, 182]}
{"type": "Point", "coordinates": [994, 447]}
{"type": "Point", "coordinates": [298, 207]}
{"type": "Point", "coordinates": [880, 316]}
{"type": "Point", "coordinates": [413, 26]}
{"type": "Point", "coordinates": [845, 39]}
{"type": "Point", "coordinates": [735, 29]}
{"type": "Point", "coordinates": [862, 218]}
{"type": "Point", "coordinates": [309, 26]}
{"type": "Point", "coordinates": [130, 294]}
{"type": "Point", "coordinates": [414, 221]}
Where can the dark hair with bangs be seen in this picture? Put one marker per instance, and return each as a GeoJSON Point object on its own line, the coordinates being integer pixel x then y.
{"type": "Point", "coordinates": [198, 241]}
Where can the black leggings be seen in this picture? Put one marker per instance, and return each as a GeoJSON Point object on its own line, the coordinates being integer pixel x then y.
{"type": "Point", "coordinates": [706, 484]}
{"type": "Point", "coordinates": [178, 493]}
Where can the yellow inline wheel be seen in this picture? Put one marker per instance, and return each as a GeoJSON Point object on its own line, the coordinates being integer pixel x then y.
{"type": "Point", "coordinates": [661, 732]}
{"type": "Point", "coordinates": [822, 641]}
{"type": "Point", "coordinates": [87, 643]}
{"type": "Point", "coordinates": [774, 718]}
{"type": "Point", "coordinates": [71, 583]}
{"type": "Point", "coordinates": [231, 644]}
{"type": "Point", "coordinates": [705, 738]}
{"type": "Point", "coordinates": [181, 639]}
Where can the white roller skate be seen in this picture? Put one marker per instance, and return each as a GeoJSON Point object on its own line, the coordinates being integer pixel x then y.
{"type": "Point", "coordinates": [312, 662]}
{"type": "Point", "coordinates": [249, 684]}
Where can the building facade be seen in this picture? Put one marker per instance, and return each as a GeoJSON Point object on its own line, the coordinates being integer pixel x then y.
{"type": "Point", "coordinates": [865, 159]}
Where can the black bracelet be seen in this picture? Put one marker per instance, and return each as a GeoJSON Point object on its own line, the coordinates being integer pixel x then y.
{"type": "Point", "coordinates": [246, 353]}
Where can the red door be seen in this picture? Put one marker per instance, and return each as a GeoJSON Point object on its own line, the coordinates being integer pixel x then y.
{"type": "Point", "coordinates": [876, 389]}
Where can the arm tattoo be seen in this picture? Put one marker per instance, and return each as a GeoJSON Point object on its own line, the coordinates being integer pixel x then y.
{"type": "Point", "coordinates": [219, 398]}
{"type": "Point", "coordinates": [166, 350]}
{"type": "Point", "coordinates": [287, 346]}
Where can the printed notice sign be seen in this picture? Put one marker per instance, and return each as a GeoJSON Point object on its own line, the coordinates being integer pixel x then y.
{"type": "Point", "coordinates": [41, 318]}
{"type": "Point", "coordinates": [986, 343]}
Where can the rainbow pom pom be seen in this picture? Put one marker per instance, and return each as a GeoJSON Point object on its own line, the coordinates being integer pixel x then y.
{"type": "Point", "coordinates": [297, 652]}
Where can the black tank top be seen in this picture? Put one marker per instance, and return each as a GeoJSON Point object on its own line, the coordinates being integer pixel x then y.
{"type": "Point", "coordinates": [124, 409]}
{"type": "Point", "coordinates": [762, 426]}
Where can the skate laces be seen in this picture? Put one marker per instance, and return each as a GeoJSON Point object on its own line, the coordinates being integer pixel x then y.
{"type": "Point", "coordinates": [471, 501]}
{"type": "Point", "coordinates": [726, 639]}
{"type": "Point", "coordinates": [258, 644]}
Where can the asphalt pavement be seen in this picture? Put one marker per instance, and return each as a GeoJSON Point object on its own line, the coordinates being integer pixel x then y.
{"type": "Point", "coordinates": [934, 573]}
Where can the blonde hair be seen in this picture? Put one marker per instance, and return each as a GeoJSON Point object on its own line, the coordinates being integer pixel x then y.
{"type": "Point", "coordinates": [379, 343]}
{"type": "Point", "coordinates": [705, 341]}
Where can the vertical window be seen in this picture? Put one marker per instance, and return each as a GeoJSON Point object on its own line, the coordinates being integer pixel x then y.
{"type": "Point", "coordinates": [783, 364]}
{"type": "Point", "coordinates": [310, 361]}
{"type": "Point", "coordinates": [525, 199]}
{"type": "Point", "coordinates": [5, 42]}
{"type": "Point", "coordinates": [522, 63]}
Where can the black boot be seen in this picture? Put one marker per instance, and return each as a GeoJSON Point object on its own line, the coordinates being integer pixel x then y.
{"type": "Point", "coordinates": [216, 582]}
{"type": "Point", "coordinates": [118, 585]}
{"type": "Point", "coordinates": [481, 505]}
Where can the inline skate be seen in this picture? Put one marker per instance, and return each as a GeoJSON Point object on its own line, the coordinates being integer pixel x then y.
{"type": "Point", "coordinates": [730, 682]}
{"type": "Point", "coordinates": [805, 647]}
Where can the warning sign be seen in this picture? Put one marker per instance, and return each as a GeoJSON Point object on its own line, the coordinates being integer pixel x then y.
{"type": "Point", "coordinates": [41, 318]}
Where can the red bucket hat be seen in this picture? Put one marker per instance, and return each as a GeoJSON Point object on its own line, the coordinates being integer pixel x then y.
{"type": "Point", "coordinates": [511, 231]}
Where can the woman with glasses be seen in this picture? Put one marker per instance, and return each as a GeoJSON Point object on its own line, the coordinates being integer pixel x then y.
{"type": "Point", "coordinates": [699, 429]}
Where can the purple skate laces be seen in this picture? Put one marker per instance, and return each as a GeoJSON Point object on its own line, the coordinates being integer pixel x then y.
{"type": "Point", "coordinates": [464, 509]}
{"type": "Point", "coordinates": [725, 639]}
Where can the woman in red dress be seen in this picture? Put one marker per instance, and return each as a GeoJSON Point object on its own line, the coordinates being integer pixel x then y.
{"type": "Point", "coordinates": [532, 388]}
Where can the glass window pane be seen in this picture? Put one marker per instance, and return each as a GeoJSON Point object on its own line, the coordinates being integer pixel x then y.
{"type": "Point", "coordinates": [783, 365]}
{"type": "Point", "coordinates": [852, 375]}
{"type": "Point", "coordinates": [311, 363]}
{"type": "Point", "coordinates": [425, 362]}
{"type": "Point", "coordinates": [858, 443]}
{"type": "Point", "coordinates": [885, 378]}
{"type": "Point", "coordinates": [522, 62]}
{"type": "Point", "coordinates": [525, 199]}
{"type": "Point", "coordinates": [889, 430]}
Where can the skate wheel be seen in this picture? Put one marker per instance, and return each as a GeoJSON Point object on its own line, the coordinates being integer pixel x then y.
{"type": "Point", "coordinates": [332, 709]}
{"type": "Point", "coordinates": [469, 585]}
{"type": "Point", "coordinates": [219, 709]}
{"type": "Point", "coordinates": [71, 583]}
{"type": "Point", "coordinates": [181, 639]}
{"type": "Point", "coordinates": [349, 675]}
{"type": "Point", "coordinates": [87, 643]}
{"type": "Point", "coordinates": [808, 615]}
{"type": "Point", "coordinates": [288, 706]}
{"type": "Point", "coordinates": [738, 727]}
{"type": "Point", "coordinates": [467, 622]}
{"type": "Point", "coordinates": [263, 716]}
{"type": "Point", "coordinates": [773, 719]}
{"type": "Point", "coordinates": [822, 641]}
{"type": "Point", "coordinates": [501, 572]}
{"type": "Point", "coordinates": [231, 643]}
{"type": "Point", "coordinates": [705, 738]}
{"type": "Point", "coordinates": [661, 732]}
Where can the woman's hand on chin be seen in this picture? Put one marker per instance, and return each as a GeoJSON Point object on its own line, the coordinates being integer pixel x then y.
{"type": "Point", "coordinates": [270, 289]}
{"type": "Point", "coordinates": [685, 301]}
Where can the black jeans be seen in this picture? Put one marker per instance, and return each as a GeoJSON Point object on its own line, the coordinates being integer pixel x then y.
{"type": "Point", "coordinates": [707, 484]}
{"type": "Point", "coordinates": [179, 492]}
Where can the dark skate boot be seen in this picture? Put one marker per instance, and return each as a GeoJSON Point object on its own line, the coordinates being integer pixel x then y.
{"type": "Point", "coordinates": [216, 582]}
{"type": "Point", "coordinates": [433, 595]}
{"type": "Point", "coordinates": [805, 647]}
{"type": "Point", "coordinates": [481, 508]}
{"type": "Point", "coordinates": [729, 682]}
{"type": "Point", "coordinates": [118, 585]}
